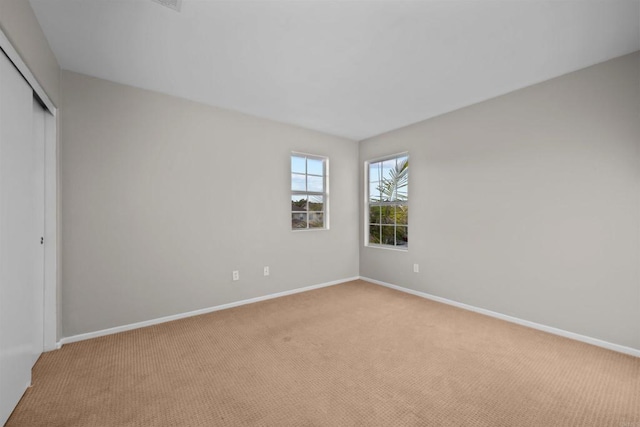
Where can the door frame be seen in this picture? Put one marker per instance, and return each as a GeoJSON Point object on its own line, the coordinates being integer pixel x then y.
{"type": "Point", "coordinates": [51, 241]}
{"type": "Point", "coordinates": [51, 217]}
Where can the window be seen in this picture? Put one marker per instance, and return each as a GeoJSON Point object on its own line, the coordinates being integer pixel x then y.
{"type": "Point", "coordinates": [388, 198]}
{"type": "Point", "coordinates": [309, 195]}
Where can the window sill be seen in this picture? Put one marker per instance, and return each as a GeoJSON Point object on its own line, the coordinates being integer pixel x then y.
{"type": "Point", "coordinates": [387, 247]}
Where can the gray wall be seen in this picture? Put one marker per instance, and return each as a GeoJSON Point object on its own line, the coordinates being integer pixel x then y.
{"type": "Point", "coordinates": [528, 204]}
{"type": "Point", "coordinates": [21, 27]}
{"type": "Point", "coordinates": [162, 198]}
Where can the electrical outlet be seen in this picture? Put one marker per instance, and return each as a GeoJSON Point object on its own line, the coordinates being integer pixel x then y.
{"type": "Point", "coordinates": [236, 275]}
{"type": "Point", "coordinates": [416, 268]}
{"type": "Point", "coordinates": [266, 270]}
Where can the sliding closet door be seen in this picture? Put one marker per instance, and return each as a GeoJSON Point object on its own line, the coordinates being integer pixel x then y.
{"type": "Point", "coordinates": [38, 140]}
{"type": "Point", "coordinates": [19, 239]}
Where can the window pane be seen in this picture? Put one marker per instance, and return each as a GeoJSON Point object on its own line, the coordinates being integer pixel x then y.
{"type": "Point", "coordinates": [298, 182]}
{"type": "Point", "coordinates": [402, 236]}
{"type": "Point", "coordinates": [374, 234]}
{"type": "Point", "coordinates": [387, 167]}
{"type": "Point", "coordinates": [374, 192]}
{"type": "Point", "coordinates": [402, 215]}
{"type": "Point", "coordinates": [388, 235]}
{"type": "Point", "coordinates": [374, 172]}
{"type": "Point", "coordinates": [298, 220]}
{"type": "Point", "coordinates": [316, 203]}
{"type": "Point", "coordinates": [400, 177]}
{"type": "Point", "coordinates": [315, 166]}
{"type": "Point", "coordinates": [402, 186]}
{"type": "Point", "coordinates": [388, 183]}
{"type": "Point", "coordinates": [298, 203]}
{"type": "Point", "coordinates": [316, 220]}
{"type": "Point", "coordinates": [388, 214]}
{"type": "Point", "coordinates": [401, 193]}
{"type": "Point", "coordinates": [315, 183]}
{"type": "Point", "coordinates": [374, 215]}
{"type": "Point", "coordinates": [298, 164]}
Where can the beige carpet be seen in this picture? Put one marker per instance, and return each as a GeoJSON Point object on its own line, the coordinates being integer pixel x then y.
{"type": "Point", "coordinates": [351, 354]}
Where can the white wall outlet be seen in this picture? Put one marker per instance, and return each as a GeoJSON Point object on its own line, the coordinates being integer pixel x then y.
{"type": "Point", "coordinates": [266, 270]}
{"type": "Point", "coordinates": [236, 275]}
{"type": "Point", "coordinates": [416, 268]}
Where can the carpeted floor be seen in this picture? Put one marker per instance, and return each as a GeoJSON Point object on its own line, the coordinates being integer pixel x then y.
{"type": "Point", "coordinates": [351, 354]}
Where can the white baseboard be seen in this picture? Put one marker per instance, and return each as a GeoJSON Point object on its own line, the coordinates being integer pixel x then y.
{"type": "Point", "coordinates": [534, 325]}
{"type": "Point", "coordinates": [123, 328]}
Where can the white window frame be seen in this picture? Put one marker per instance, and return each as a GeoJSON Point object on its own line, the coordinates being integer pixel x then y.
{"type": "Point", "coordinates": [324, 194]}
{"type": "Point", "coordinates": [368, 204]}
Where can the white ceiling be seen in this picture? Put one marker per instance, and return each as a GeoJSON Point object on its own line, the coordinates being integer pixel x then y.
{"type": "Point", "coordinates": [349, 68]}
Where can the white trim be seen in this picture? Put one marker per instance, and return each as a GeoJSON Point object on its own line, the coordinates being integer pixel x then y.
{"type": "Point", "coordinates": [123, 328]}
{"type": "Point", "coordinates": [51, 235]}
{"type": "Point", "coordinates": [555, 331]}
{"type": "Point", "coordinates": [389, 157]}
{"type": "Point", "coordinates": [387, 247]}
{"type": "Point", "coordinates": [302, 153]}
{"type": "Point", "coordinates": [14, 57]}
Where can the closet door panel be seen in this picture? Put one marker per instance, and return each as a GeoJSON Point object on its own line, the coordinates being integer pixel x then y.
{"type": "Point", "coordinates": [38, 140]}
{"type": "Point", "coordinates": [18, 242]}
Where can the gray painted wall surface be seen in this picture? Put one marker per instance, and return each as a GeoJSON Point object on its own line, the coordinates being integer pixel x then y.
{"type": "Point", "coordinates": [21, 27]}
{"type": "Point", "coordinates": [528, 204]}
{"type": "Point", "coordinates": [162, 198]}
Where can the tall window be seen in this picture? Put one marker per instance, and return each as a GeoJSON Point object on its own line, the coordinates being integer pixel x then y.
{"type": "Point", "coordinates": [308, 192]}
{"type": "Point", "coordinates": [388, 202]}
